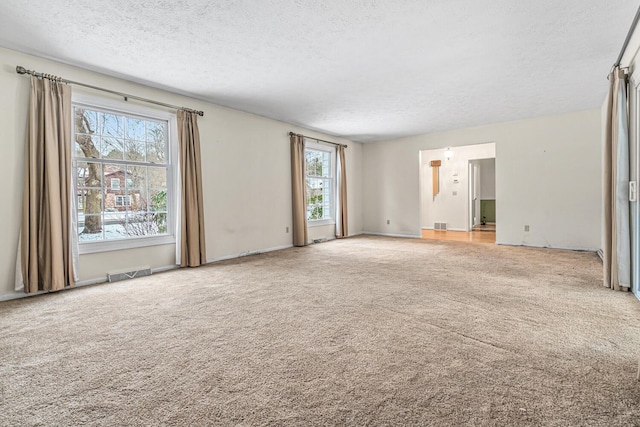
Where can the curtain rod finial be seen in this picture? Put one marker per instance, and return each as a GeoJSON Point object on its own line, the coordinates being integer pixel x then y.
{"type": "Point", "coordinates": [21, 70]}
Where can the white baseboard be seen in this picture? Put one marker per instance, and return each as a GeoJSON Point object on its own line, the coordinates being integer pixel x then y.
{"type": "Point", "coordinates": [448, 229]}
{"type": "Point", "coordinates": [248, 253]}
{"type": "Point", "coordinates": [408, 236]}
{"type": "Point", "coordinates": [18, 295]}
{"type": "Point", "coordinates": [547, 247]}
{"type": "Point", "coordinates": [79, 284]}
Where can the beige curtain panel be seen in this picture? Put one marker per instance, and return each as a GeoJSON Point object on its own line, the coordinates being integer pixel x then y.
{"type": "Point", "coordinates": [617, 246]}
{"type": "Point", "coordinates": [298, 191]}
{"type": "Point", "coordinates": [45, 259]}
{"type": "Point", "coordinates": [192, 243]}
{"type": "Point", "coordinates": [342, 229]}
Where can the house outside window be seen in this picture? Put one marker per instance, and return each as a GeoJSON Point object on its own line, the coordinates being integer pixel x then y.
{"type": "Point", "coordinates": [123, 200]}
{"type": "Point", "coordinates": [320, 166]}
{"type": "Point", "coordinates": [123, 176]}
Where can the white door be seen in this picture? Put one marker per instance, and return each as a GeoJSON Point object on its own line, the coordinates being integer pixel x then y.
{"type": "Point", "coordinates": [634, 152]}
{"type": "Point", "coordinates": [474, 194]}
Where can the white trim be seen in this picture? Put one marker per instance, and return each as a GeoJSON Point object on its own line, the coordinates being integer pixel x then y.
{"type": "Point", "coordinates": [321, 240]}
{"type": "Point", "coordinates": [81, 284]}
{"type": "Point", "coordinates": [121, 106]}
{"type": "Point", "coordinates": [320, 222]}
{"type": "Point", "coordinates": [333, 177]}
{"type": "Point", "coordinates": [121, 244]}
{"type": "Point", "coordinates": [522, 245]}
{"type": "Point", "coordinates": [248, 253]}
{"type": "Point", "coordinates": [144, 112]}
{"type": "Point", "coordinates": [407, 236]}
{"type": "Point", "coordinates": [448, 229]}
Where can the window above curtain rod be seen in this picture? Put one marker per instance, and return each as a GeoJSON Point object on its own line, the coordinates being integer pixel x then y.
{"type": "Point", "coordinates": [316, 139]}
{"type": "Point", "coordinates": [22, 70]}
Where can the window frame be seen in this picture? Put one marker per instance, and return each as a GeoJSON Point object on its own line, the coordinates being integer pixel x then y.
{"type": "Point", "coordinates": [314, 145]}
{"type": "Point", "coordinates": [173, 188]}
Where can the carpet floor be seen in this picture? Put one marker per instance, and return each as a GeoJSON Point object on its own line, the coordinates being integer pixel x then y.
{"type": "Point", "coordinates": [361, 331]}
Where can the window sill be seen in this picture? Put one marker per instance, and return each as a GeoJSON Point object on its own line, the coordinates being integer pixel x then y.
{"type": "Point", "coordinates": [118, 245]}
{"type": "Point", "coordinates": [321, 223]}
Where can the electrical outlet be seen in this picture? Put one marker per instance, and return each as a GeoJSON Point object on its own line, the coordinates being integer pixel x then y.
{"type": "Point", "coordinates": [388, 222]}
{"type": "Point", "coordinates": [287, 229]}
{"type": "Point", "coordinates": [526, 228]}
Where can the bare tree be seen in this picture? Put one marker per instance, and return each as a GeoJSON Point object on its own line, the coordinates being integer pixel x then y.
{"type": "Point", "coordinates": [144, 222]}
{"type": "Point", "coordinates": [93, 197]}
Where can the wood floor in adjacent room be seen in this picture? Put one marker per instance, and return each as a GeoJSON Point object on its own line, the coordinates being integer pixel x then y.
{"type": "Point", "coordinates": [460, 236]}
{"type": "Point", "coordinates": [359, 331]}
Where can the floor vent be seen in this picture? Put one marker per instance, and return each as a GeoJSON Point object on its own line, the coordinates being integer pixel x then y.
{"type": "Point", "coordinates": [116, 277]}
{"type": "Point", "coordinates": [439, 225]}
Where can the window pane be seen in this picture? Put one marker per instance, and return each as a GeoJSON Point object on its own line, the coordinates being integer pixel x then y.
{"type": "Point", "coordinates": [326, 199]}
{"type": "Point", "coordinates": [115, 200]}
{"type": "Point", "coordinates": [136, 177]}
{"type": "Point", "coordinates": [318, 199]}
{"type": "Point", "coordinates": [315, 195]}
{"type": "Point", "coordinates": [141, 223]}
{"type": "Point", "coordinates": [158, 177]}
{"type": "Point", "coordinates": [137, 199]}
{"type": "Point", "coordinates": [112, 148]}
{"type": "Point", "coordinates": [135, 150]}
{"type": "Point", "coordinates": [89, 174]}
{"type": "Point", "coordinates": [156, 142]}
{"type": "Point", "coordinates": [114, 176]}
{"type": "Point", "coordinates": [318, 163]}
{"type": "Point", "coordinates": [111, 125]}
{"type": "Point", "coordinates": [160, 218]}
{"type": "Point", "coordinates": [326, 164]}
{"type": "Point", "coordinates": [87, 146]}
{"type": "Point", "coordinates": [134, 128]}
{"type": "Point", "coordinates": [313, 162]}
{"type": "Point", "coordinates": [85, 120]}
{"type": "Point", "coordinates": [158, 199]}
{"type": "Point", "coordinates": [114, 224]}
{"type": "Point", "coordinates": [89, 227]}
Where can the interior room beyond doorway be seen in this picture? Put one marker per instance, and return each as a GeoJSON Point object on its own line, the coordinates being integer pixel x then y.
{"type": "Point", "coordinates": [458, 194]}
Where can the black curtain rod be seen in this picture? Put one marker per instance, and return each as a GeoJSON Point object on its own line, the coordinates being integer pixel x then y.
{"type": "Point", "coordinates": [22, 70]}
{"type": "Point", "coordinates": [320, 140]}
{"type": "Point", "coordinates": [627, 39]}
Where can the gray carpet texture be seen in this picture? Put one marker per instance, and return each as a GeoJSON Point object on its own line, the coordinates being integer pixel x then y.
{"type": "Point", "coordinates": [361, 331]}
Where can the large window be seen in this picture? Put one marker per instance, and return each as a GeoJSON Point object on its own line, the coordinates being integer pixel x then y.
{"type": "Point", "coordinates": [320, 173]}
{"type": "Point", "coordinates": [123, 176]}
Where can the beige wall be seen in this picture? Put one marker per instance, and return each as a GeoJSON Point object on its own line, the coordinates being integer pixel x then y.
{"type": "Point", "coordinates": [548, 176]}
{"type": "Point", "coordinates": [246, 173]}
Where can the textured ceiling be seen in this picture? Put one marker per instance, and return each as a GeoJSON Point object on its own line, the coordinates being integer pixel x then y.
{"type": "Point", "coordinates": [365, 70]}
